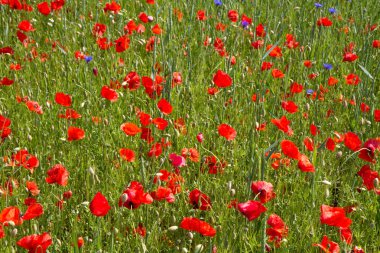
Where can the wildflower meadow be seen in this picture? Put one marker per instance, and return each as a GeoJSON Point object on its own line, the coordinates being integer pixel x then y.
{"type": "Point", "coordinates": [189, 126]}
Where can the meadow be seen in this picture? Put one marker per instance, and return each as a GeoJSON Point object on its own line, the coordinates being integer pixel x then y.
{"type": "Point", "coordinates": [189, 126]}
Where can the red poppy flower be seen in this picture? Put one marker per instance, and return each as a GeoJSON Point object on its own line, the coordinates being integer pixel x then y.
{"type": "Point", "coordinates": [289, 106]}
{"type": "Point", "coordinates": [109, 94]}
{"type": "Point", "coordinates": [332, 81]}
{"type": "Point", "coordinates": [251, 209]}
{"type": "Point", "coordinates": [346, 235]}
{"type": "Point", "coordinates": [352, 79]}
{"type": "Point", "coordinates": [10, 215]}
{"type": "Point", "coordinates": [291, 41]}
{"type": "Point", "coordinates": [334, 216]}
{"type": "Point", "coordinates": [367, 153]}
{"type": "Point", "coordinates": [75, 133]}
{"type": "Point", "coordinates": [304, 164]}
{"type": "Point", "coordinates": [44, 8]}
{"type": "Point", "coordinates": [122, 43]}
{"type": "Point", "coordinates": [330, 144]}
{"type": "Point", "coordinates": [99, 29]}
{"type": "Point", "coordinates": [376, 44]}
{"type": "Point", "coordinates": [257, 44]}
{"type": "Point", "coordinates": [283, 125]}
{"type": "Point", "coordinates": [127, 154]}
{"type": "Point", "coordinates": [260, 31]}
{"type": "Point", "coordinates": [7, 50]}
{"type": "Point", "coordinates": [160, 123]}
{"type": "Point", "coordinates": [276, 73]}
{"type": "Point", "coordinates": [233, 15]}
{"type": "Point", "coordinates": [163, 193]}
{"type": "Point", "coordinates": [140, 229]}
{"type": "Point", "coordinates": [368, 176]}
{"type": "Point", "coordinates": [57, 4]}
{"type": "Point", "coordinates": [222, 79]}
{"type": "Point", "coordinates": [143, 17]}
{"type": "Point", "coordinates": [63, 99]}
{"type": "Point", "coordinates": [34, 107]}
{"type": "Point", "coordinates": [352, 141]}
{"type": "Point", "coordinates": [324, 22]}
{"type": "Point", "coordinates": [35, 243]}
{"type": "Point", "coordinates": [26, 26]}
{"type": "Point", "coordinates": [276, 51]}
{"type": "Point", "coordinates": [164, 106]}
{"type": "Point", "coordinates": [156, 29]}
{"type": "Point", "coordinates": [328, 246]}
{"type": "Point", "coordinates": [99, 205]}
{"type": "Point", "coordinates": [227, 132]}
{"type": "Point", "coordinates": [57, 174]}
{"type": "Point", "coordinates": [266, 66]}
{"type": "Point", "coordinates": [2, 234]}
{"type": "Point", "coordinates": [201, 15]}
{"type": "Point", "coordinates": [246, 19]}
{"type": "Point", "coordinates": [33, 211]}
{"type": "Point", "coordinates": [112, 7]}
{"type": "Point", "coordinates": [278, 229]}
{"type": "Point", "coordinates": [199, 200]}
{"type": "Point", "coordinates": [133, 80]}
{"type": "Point", "coordinates": [32, 188]}
{"type": "Point", "coordinates": [130, 129]}
{"type": "Point", "coordinates": [6, 81]}
{"type": "Point", "coordinates": [199, 226]}
{"type": "Point", "coordinates": [350, 57]}
{"type": "Point", "coordinates": [134, 196]}
{"type": "Point", "coordinates": [70, 114]}
{"type": "Point", "coordinates": [26, 160]}
{"type": "Point", "coordinates": [264, 190]}
{"type": "Point", "coordinates": [296, 88]}
{"type": "Point", "coordinates": [290, 149]}
{"type": "Point", "coordinates": [309, 143]}
{"type": "Point", "coordinates": [314, 130]}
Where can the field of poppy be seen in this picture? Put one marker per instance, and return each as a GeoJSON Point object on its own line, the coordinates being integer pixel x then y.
{"type": "Point", "coordinates": [189, 126]}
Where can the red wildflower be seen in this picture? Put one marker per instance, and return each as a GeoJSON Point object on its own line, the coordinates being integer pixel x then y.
{"type": "Point", "coordinates": [260, 31]}
{"type": "Point", "coordinates": [140, 229]}
{"type": "Point", "coordinates": [304, 164]}
{"type": "Point", "coordinates": [199, 200]}
{"type": "Point", "coordinates": [164, 106]}
{"type": "Point", "coordinates": [127, 154]}
{"type": "Point", "coordinates": [10, 214]}
{"type": "Point", "coordinates": [222, 79]}
{"type": "Point", "coordinates": [251, 209]}
{"type": "Point", "coordinates": [330, 144]}
{"type": "Point", "coordinates": [257, 44]}
{"type": "Point", "coordinates": [75, 133]}
{"type": "Point", "coordinates": [277, 230]}
{"type": "Point", "coordinates": [353, 79]}
{"type": "Point", "coordinates": [367, 153]}
{"type": "Point", "coordinates": [44, 8]}
{"type": "Point", "coordinates": [143, 17]}
{"type": "Point", "coordinates": [109, 94]}
{"type": "Point", "coordinates": [376, 44]}
{"type": "Point", "coordinates": [276, 73]}
{"type": "Point", "coordinates": [324, 22]}
{"type": "Point", "coordinates": [130, 129]}
{"type": "Point", "coordinates": [289, 106]}
{"type": "Point", "coordinates": [276, 51]}
{"type": "Point", "coordinates": [332, 81]}
{"type": "Point", "coordinates": [296, 88]}
{"type": "Point", "coordinates": [328, 246]}
{"type": "Point", "coordinates": [309, 143]}
{"type": "Point", "coordinates": [99, 29]}
{"type": "Point", "coordinates": [134, 196]}
{"type": "Point", "coordinates": [201, 15]}
{"type": "Point", "coordinates": [133, 80]}
{"type": "Point", "coordinates": [33, 106]}
{"type": "Point", "coordinates": [163, 193]}
{"type": "Point", "coordinates": [57, 174]}
{"type": "Point", "coordinates": [368, 176]}
{"type": "Point", "coordinates": [290, 149]}
{"type": "Point", "coordinates": [32, 188]}
{"type": "Point", "coordinates": [63, 99]}
{"type": "Point", "coordinates": [307, 63]}
{"type": "Point", "coordinates": [99, 205]}
{"type": "Point", "coordinates": [266, 66]}
{"type": "Point", "coordinates": [26, 26]}
{"type": "Point", "coordinates": [264, 190]}
{"type": "Point", "coordinates": [346, 235]}
{"type": "Point", "coordinates": [227, 132]}
{"type": "Point", "coordinates": [70, 114]}
{"type": "Point", "coordinates": [233, 15]}
{"type": "Point", "coordinates": [33, 211]}
{"type": "Point", "coordinates": [334, 216]}
{"type": "Point", "coordinates": [7, 50]}
{"type": "Point", "coordinates": [122, 43]}
{"type": "Point", "coordinates": [156, 29]}
{"type": "Point", "coordinates": [283, 125]}
{"type": "Point", "coordinates": [291, 41]}
{"type": "Point", "coordinates": [196, 225]}
{"type": "Point", "coordinates": [35, 243]}
{"type": "Point", "coordinates": [352, 141]}
{"type": "Point", "coordinates": [112, 7]}
{"type": "Point", "coordinates": [26, 160]}
{"type": "Point", "coordinates": [350, 57]}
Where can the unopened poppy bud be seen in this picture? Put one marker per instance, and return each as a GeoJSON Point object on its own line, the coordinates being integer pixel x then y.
{"type": "Point", "coordinates": [150, 18]}
{"type": "Point", "coordinates": [257, 124]}
{"type": "Point", "coordinates": [232, 192]}
{"type": "Point", "coordinates": [198, 248]}
{"type": "Point", "coordinates": [184, 250]}
{"type": "Point", "coordinates": [35, 228]}
{"type": "Point", "coordinates": [326, 182]}
{"type": "Point", "coordinates": [29, 137]}
{"type": "Point", "coordinates": [363, 121]}
{"type": "Point", "coordinates": [339, 154]}
{"type": "Point", "coordinates": [10, 223]}
{"type": "Point", "coordinates": [124, 198]}
{"type": "Point", "coordinates": [173, 228]}
{"type": "Point", "coordinates": [200, 137]}
{"type": "Point", "coordinates": [327, 192]}
{"type": "Point", "coordinates": [59, 243]}
{"type": "Point", "coordinates": [106, 122]}
{"type": "Point", "coordinates": [191, 236]}
{"type": "Point", "coordinates": [229, 184]}
{"type": "Point", "coordinates": [91, 171]}
{"type": "Point", "coordinates": [14, 232]}
{"type": "Point", "coordinates": [307, 107]}
{"type": "Point", "coordinates": [95, 71]}
{"type": "Point", "coordinates": [376, 182]}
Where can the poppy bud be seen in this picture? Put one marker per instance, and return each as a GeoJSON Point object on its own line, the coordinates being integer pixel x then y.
{"type": "Point", "coordinates": [191, 236]}
{"type": "Point", "coordinates": [14, 232]}
{"type": "Point", "coordinates": [229, 184]}
{"type": "Point", "coordinates": [173, 228]}
{"type": "Point", "coordinates": [124, 198]}
{"type": "Point", "coordinates": [327, 192]}
{"type": "Point", "coordinates": [198, 248]}
{"type": "Point", "coordinates": [95, 71]}
{"type": "Point", "coordinates": [184, 250]}
{"type": "Point", "coordinates": [339, 154]}
{"type": "Point", "coordinates": [232, 192]}
{"type": "Point", "coordinates": [200, 137]}
{"type": "Point", "coordinates": [376, 182]}
{"type": "Point", "coordinates": [91, 171]}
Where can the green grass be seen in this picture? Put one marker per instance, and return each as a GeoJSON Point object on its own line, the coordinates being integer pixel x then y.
{"type": "Point", "coordinates": [299, 194]}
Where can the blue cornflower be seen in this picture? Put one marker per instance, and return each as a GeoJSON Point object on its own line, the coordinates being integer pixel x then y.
{"type": "Point", "coordinates": [245, 24]}
{"type": "Point", "coordinates": [332, 10]}
{"type": "Point", "coordinates": [327, 66]}
{"type": "Point", "coordinates": [318, 5]}
{"type": "Point", "coordinates": [309, 91]}
{"type": "Point", "coordinates": [88, 58]}
{"type": "Point", "coordinates": [218, 2]}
